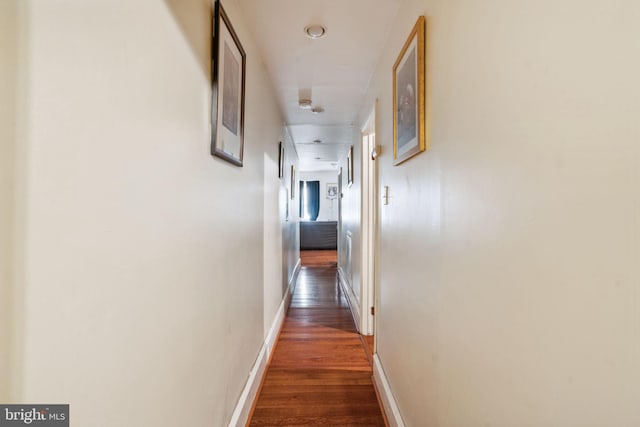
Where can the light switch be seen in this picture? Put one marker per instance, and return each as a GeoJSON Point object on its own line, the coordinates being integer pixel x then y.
{"type": "Point", "coordinates": [385, 195]}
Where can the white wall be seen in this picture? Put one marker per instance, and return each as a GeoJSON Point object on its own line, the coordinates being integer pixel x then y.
{"type": "Point", "coordinates": [272, 240]}
{"type": "Point", "coordinates": [145, 289]}
{"type": "Point", "coordinates": [281, 245]}
{"type": "Point", "coordinates": [351, 266]}
{"type": "Point", "coordinates": [290, 225]}
{"type": "Point", "coordinates": [510, 251]}
{"type": "Point", "coordinates": [328, 207]}
{"type": "Point", "coordinates": [9, 16]}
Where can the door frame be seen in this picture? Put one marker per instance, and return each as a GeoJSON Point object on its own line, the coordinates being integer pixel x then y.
{"type": "Point", "coordinates": [368, 223]}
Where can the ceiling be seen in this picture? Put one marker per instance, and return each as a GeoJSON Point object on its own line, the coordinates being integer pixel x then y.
{"type": "Point", "coordinates": [333, 71]}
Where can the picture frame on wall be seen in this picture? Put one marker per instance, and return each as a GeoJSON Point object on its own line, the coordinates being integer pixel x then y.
{"type": "Point", "coordinates": [350, 167]}
{"type": "Point", "coordinates": [293, 182]}
{"type": "Point", "coordinates": [332, 191]}
{"type": "Point", "coordinates": [228, 90]}
{"type": "Point", "coordinates": [280, 160]}
{"type": "Point", "coordinates": [409, 96]}
{"type": "Point", "coordinates": [286, 212]}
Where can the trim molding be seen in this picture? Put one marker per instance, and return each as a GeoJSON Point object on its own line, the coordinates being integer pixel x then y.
{"type": "Point", "coordinates": [354, 306]}
{"type": "Point", "coordinates": [391, 409]}
{"type": "Point", "coordinates": [247, 398]}
{"type": "Point", "coordinates": [294, 276]}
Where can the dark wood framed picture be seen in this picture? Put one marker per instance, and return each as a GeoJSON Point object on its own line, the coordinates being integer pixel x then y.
{"type": "Point", "coordinates": [280, 160]}
{"type": "Point", "coordinates": [409, 125]}
{"type": "Point", "coordinates": [350, 167]}
{"type": "Point", "coordinates": [228, 81]}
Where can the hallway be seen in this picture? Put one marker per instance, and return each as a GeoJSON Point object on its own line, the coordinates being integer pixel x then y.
{"type": "Point", "coordinates": [319, 374]}
{"type": "Point", "coordinates": [146, 275]}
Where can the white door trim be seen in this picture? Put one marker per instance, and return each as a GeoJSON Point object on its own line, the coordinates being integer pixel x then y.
{"type": "Point", "coordinates": [368, 224]}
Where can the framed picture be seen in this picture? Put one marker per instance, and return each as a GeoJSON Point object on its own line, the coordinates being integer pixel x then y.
{"type": "Point", "coordinates": [281, 160]}
{"type": "Point", "coordinates": [228, 78]}
{"type": "Point", "coordinates": [350, 167]}
{"type": "Point", "coordinates": [409, 126]}
{"type": "Point", "coordinates": [286, 212]}
{"type": "Point", "coordinates": [332, 191]}
{"type": "Point", "coordinates": [293, 182]}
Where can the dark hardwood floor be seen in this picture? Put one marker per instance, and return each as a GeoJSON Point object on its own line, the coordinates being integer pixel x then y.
{"type": "Point", "coordinates": [322, 258]}
{"type": "Point", "coordinates": [319, 373]}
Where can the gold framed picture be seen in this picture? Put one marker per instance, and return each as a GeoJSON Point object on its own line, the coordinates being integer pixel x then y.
{"type": "Point", "coordinates": [409, 97]}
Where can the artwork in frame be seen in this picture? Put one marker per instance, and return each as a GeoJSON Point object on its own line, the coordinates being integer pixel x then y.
{"type": "Point", "coordinates": [286, 214]}
{"type": "Point", "coordinates": [409, 99]}
{"type": "Point", "coordinates": [332, 191]}
{"type": "Point", "coordinates": [228, 87]}
{"type": "Point", "coordinates": [280, 160]}
{"type": "Point", "coordinates": [350, 167]}
{"type": "Point", "coordinates": [293, 182]}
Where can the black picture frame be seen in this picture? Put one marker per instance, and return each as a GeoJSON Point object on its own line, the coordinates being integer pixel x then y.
{"type": "Point", "coordinates": [350, 167]}
{"type": "Point", "coordinates": [286, 214]}
{"type": "Point", "coordinates": [227, 90]}
{"type": "Point", "coordinates": [280, 160]}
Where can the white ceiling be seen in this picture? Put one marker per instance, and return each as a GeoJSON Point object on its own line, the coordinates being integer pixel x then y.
{"type": "Point", "coordinates": [333, 71]}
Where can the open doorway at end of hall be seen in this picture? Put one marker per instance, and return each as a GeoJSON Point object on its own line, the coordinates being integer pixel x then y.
{"type": "Point", "coordinates": [318, 218]}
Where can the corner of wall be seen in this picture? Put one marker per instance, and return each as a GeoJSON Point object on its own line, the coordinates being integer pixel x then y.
{"type": "Point", "coordinates": [249, 394]}
{"type": "Point", "coordinates": [383, 388]}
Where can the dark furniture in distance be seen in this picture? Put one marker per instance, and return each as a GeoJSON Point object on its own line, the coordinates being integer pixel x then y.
{"type": "Point", "coordinates": [316, 235]}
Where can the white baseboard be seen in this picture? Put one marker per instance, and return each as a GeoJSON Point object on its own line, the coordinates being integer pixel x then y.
{"type": "Point", "coordinates": [351, 298]}
{"type": "Point", "coordinates": [391, 409]}
{"type": "Point", "coordinates": [249, 393]}
{"type": "Point", "coordinates": [294, 276]}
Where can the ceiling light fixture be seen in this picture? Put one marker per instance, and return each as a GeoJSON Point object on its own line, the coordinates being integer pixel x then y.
{"type": "Point", "coordinates": [305, 104]}
{"type": "Point", "coordinates": [317, 141]}
{"type": "Point", "coordinates": [315, 31]}
{"type": "Point", "coordinates": [317, 110]}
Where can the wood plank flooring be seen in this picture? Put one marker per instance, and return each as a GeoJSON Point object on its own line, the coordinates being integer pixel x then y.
{"type": "Point", "coordinates": [324, 258]}
{"type": "Point", "coordinates": [319, 373]}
